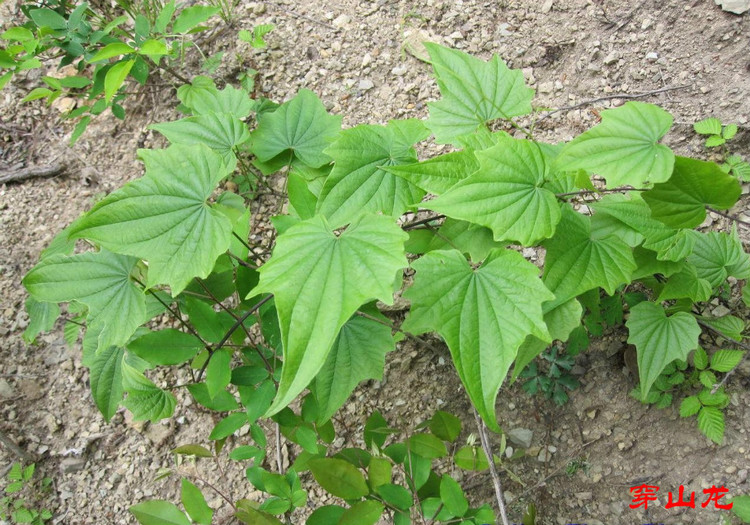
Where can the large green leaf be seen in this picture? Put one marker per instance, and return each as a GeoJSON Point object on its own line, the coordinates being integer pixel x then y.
{"type": "Point", "coordinates": [632, 212]}
{"type": "Point", "coordinates": [221, 132]}
{"type": "Point", "coordinates": [158, 512]}
{"type": "Point", "coordinates": [576, 263]}
{"type": "Point", "coordinates": [438, 174]}
{"type": "Point", "coordinates": [164, 216]}
{"type": "Point", "coordinates": [718, 255]}
{"type": "Point", "coordinates": [474, 93]}
{"type": "Point", "coordinates": [339, 477]}
{"type": "Point", "coordinates": [505, 195]}
{"type": "Point", "coordinates": [358, 184]}
{"type": "Point", "coordinates": [195, 503]}
{"type": "Point", "coordinates": [357, 354]}
{"type": "Point", "coordinates": [681, 201]}
{"type": "Point", "coordinates": [484, 315]}
{"type": "Point", "coordinates": [207, 99]}
{"type": "Point", "coordinates": [144, 399]}
{"type": "Point", "coordinates": [319, 279]}
{"type": "Point", "coordinates": [366, 512]}
{"type": "Point", "coordinates": [301, 125]}
{"type": "Point", "coordinates": [624, 148]}
{"type": "Point", "coordinates": [101, 281]}
{"type": "Point", "coordinates": [659, 339]}
{"type": "Point", "coordinates": [686, 284]}
{"type": "Point", "coordinates": [105, 377]}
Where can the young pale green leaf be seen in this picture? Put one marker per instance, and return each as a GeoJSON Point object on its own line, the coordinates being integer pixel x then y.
{"type": "Point", "coordinates": [445, 426]}
{"type": "Point", "coordinates": [686, 284]}
{"type": "Point", "coordinates": [681, 201]}
{"type": "Point", "coordinates": [659, 339]}
{"type": "Point", "coordinates": [624, 148]}
{"type": "Point", "coordinates": [166, 347]}
{"type": "Point", "coordinates": [339, 477]}
{"type": "Point", "coordinates": [700, 359]}
{"type": "Point", "coordinates": [689, 406]}
{"type": "Point", "coordinates": [101, 281]}
{"type": "Point", "coordinates": [190, 17]}
{"type": "Point", "coordinates": [708, 126]}
{"type": "Point", "coordinates": [379, 472]}
{"type": "Point", "coordinates": [729, 131]}
{"type": "Point", "coordinates": [726, 360]}
{"type": "Point", "coordinates": [301, 125]}
{"type": "Point", "coordinates": [366, 512]}
{"type": "Point", "coordinates": [112, 50]}
{"type": "Point", "coordinates": [711, 424]}
{"type": "Point", "coordinates": [357, 354]}
{"type": "Point", "coordinates": [505, 195]}
{"type": "Point", "coordinates": [42, 317]}
{"type": "Point", "coordinates": [220, 132]}
{"type": "Point", "coordinates": [198, 451]}
{"type": "Point", "coordinates": [158, 512]}
{"type": "Point", "coordinates": [115, 77]}
{"type": "Point", "coordinates": [144, 399]}
{"type": "Point", "coordinates": [105, 378]}
{"type": "Point", "coordinates": [153, 48]}
{"type": "Point", "coordinates": [358, 183]}
{"type": "Point", "coordinates": [714, 141]}
{"type": "Point", "coordinates": [577, 263]}
{"type": "Point", "coordinates": [438, 174]}
{"type": "Point", "coordinates": [718, 255]}
{"type": "Point", "coordinates": [474, 93]}
{"type": "Point", "coordinates": [452, 496]}
{"type": "Point", "coordinates": [195, 504]}
{"type": "Point", "coordinates": [319, 279]}
{"type": "Point", "coordinates": [484, 315]}
{"type": "Point", "coordinates": [164, 217]}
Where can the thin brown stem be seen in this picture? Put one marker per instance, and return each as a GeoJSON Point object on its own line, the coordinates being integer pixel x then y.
{"type": "Point", "coordinates": [414, 224]}
{"type": "Point", "coordinates": [744, 223]}
{"type": "Point", "coordinates": [624, 96]}
{"type": "Point", "coordinates": [596, 192]}
{"type": "Point", "coordinates": [487, 447]}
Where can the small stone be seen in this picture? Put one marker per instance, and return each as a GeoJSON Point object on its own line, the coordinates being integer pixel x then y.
{"type": "Point", "coordinates": [521, 437]}
{"type": "Point", "coordinates": [720, 311]}
{"type": "Point", "coordinates": [341, 20]}
{"type": "Point", "coordinates": [503, 30]}
{"type": "Point", "coordinates": [731, 469]}
{"type": "Point", "coordinates": [6, 391]}
{"type": "Point", "coordinates": [366, 60]}
{"type": "Point", "coordinates": [652, 56]}
{"type": "Point", "coordinates": [543, 456]}
{"type": "Point", "coordinates": [612, 58]}
{"type": "Point", "coordinates": [734, 6]}
{"type": "Point", "coordinates": [547, 6]}
{"type": "Point", "coordinates": [509, 452]}
{"type": "Point", "coordinates": [742, 476]}
{"type": "Point", "coordinates": [646, 24]}
{"type": "Point", "coordinates": [366, 84]}
{"type": "Point", "coordinates": [546, 87]}
{"type": "Point", "coordinates": [399, 70]}
{"type": "Point", "coordinates": [72, 464]}
{"type": "Point", "coordinates": [585, 496]}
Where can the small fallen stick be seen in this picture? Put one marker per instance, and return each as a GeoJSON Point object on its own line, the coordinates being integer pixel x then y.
{"type": "Point", "coordinates": [33, 171]}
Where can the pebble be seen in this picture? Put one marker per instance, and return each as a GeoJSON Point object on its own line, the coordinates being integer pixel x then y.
{"type": "Point", "coordinates": [652, 56]}
{"type": "Point", "coordinates": [399, 70]}
{"type": "Point", "coordinates": [366, 84]}
{"type": "Point", "coordinates": [611, 58]}
{"type": "Point", "coordinates": [341, 20]}
{"type": "Point", "coordinates": [6, 391]}
{"type": "Point", "coordinates": [521, 437]}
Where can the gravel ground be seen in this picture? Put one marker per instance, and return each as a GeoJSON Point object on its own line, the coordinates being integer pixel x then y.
{"type": "Point", "coordinates": [363, 59]}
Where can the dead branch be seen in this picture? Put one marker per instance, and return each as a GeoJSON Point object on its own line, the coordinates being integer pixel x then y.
{"type": "Point", "coordinates": [33, 171]}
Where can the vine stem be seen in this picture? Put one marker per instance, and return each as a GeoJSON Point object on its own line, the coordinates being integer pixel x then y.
{"type": "Point", "coordinates": [487, 447]}
{"type": "Point", "coordinates": [414, 224]}
{"type": "Point", "coordinates": [741, 344]}
{"type": "Point", "coordinates": [744, 223]}
{"type": "Point", "coordinates": [594, 192]}
{"type": "Point", "coordinates": [231, 330]}
{"type": "Point", "coordinates": [626, 96]}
